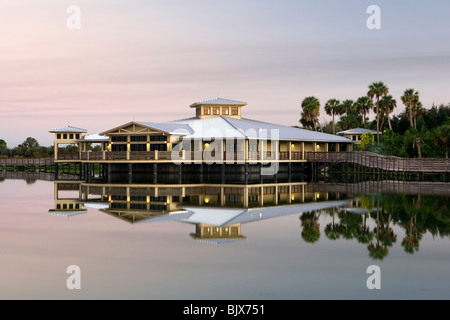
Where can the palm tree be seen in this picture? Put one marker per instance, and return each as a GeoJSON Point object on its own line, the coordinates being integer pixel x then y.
{"type": "Point", "coordinates": [377, 89]}
{"type": "Point", "coordinates": [410, 98]}
{"type": "Point", "coordinates": [387, 105]}
{"type": "Point", "coordinates": [332, 229]}
{"type": "Point", "coordinates": [310, 226]}
{"type": "Point", "coordinates": [418, 143]}
{"type": "Point", "coordinates": [352, 118]}
{"type": "Point", "coordinates": [418, 110]}
{"type": "Point", "coordinates": [332, 109]}
{"type": "Point", "coordinates": [442, 136]}
{"type": "Point", "coordinates": [346, 106]}
{"type": "Point", "coordinates": [377, 250]}
{"type": "Point", "coordinates": [311, 112]}
{"type": "Point", "coordinates": [364, 105]}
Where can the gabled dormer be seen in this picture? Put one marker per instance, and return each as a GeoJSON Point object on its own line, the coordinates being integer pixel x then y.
{"type": "Point", "coordinates": [218, 107]}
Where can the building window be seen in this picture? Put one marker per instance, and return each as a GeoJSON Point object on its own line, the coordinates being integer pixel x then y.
{"type": "Point", "coordinates": [77, 136]}
{"type": "Point", "coordinates": [158, 198]}
{"type": "Point", "coordinates": [138, 147]}
{"type": "Point", "coordinates": [138, 138]}
{"type": "Point", "coordinates": [158, 207]}
{"type": "Point", "coordinates": [216, 110]}
{"type": "Point", "coordinates": [65, 136]}
{"type": "Point", "coordinates": [119, 147]}
{"type": "Point", "coordinates": [207, 110]}
{"type": "Point", "coordinates": [138, 198]}
{"type": "Point", "coordinates": [159, 147]}
{"type": "Point", "coordinates": [225, 111]}
{"type": "Point", "coordinates": [175, 199]}
{"type": "Point", "coordinates": [71, 136]}
{"type": "Point", "coordinates": [58, 136]}
{"type": "Point", "coordinates": [234, 111]}
{"type": "Point", "coordinates": [253, 146]}
{"type": "Point", "coordinates": [230, 198]}
{"type": "Point", "coordinates": [119, 139]}
{"type": "Point", "coordinates": [116, 205]}
{"type": "Point", "coordinates": [354, 138]}
{"type": "Point", "coordinates": [158, 138]}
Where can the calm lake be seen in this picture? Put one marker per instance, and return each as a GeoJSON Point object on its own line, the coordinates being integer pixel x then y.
{"type": "Point", "coordinates": [267, 241]}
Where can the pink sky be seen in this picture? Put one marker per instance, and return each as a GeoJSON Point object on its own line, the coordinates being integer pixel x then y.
{"type": "Point", "coordinates": [149, 60]}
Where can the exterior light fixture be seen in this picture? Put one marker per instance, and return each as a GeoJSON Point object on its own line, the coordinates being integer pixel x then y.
{"type": "Point", "coordinates": [206, 200]}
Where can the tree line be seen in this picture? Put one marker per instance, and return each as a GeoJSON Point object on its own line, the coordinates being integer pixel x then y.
{"type": "Point", "coordinates": [30, 148]}
{"type": "Point", "coordinates": [415, 132]}
{"type": "Point", "coordinates": [415, 215]}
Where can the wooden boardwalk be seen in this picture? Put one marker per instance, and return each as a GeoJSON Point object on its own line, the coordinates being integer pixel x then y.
{"type": "Point", "coordinates": [383, 186]}
{"type": "Point", "coordinates": [384, 163]}
{"type": "Point", "coordinates": [26, 162]}
{"type": "Point", "coordinates": [46, 176]}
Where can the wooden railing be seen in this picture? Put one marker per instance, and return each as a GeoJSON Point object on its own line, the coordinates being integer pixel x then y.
{"type": "Point", "coordinates": [385, 186]}
{"type": "Point", "coordinates": [68, 156]}
{"type": "Point", "coordinates": [26, 162]}
{"type": "Point", "coordinates": [188, 155]}
{"type": "Point", "coordinates": [380, 162]}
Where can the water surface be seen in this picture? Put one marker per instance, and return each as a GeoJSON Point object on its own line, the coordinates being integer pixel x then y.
{"type": "Point", "coordinates": [285, 253]}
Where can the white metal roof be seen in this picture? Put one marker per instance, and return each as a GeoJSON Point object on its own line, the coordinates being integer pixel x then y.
{"type": "Point", "coordinates": [168, 127]}
{"type": "Point", "coordinates": [219, 101]}
{"type": "Point", "coordinates": [228, 127]}
{"type": "Point", "coordinates": [219, 216]}
{"type": "Point", "coordinates": [95, 137]}
{"type": "Point", "coordinates": [66, 213]}
{"type": "Point", "coordinates": [67, 129]}
{"type": "Point", "coordinates": [357, 131]}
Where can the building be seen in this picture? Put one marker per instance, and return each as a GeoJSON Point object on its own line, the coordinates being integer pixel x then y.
{"type": "Point", "coordinates": [356, 133]}
{"type": "Point", "coordinates": [217, 210]}
{"type": "Point", "coordinates": [217, 134]}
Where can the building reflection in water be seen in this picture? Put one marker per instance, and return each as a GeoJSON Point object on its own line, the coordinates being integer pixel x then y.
{"type": "Point", "coordinates": [216, 210]}
{"type": "Point", "coordinates": [370, 213]}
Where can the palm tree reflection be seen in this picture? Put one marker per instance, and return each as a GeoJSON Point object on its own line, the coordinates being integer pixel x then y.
{"type": "Point", "coordinates": [372, 219]}
{"type": "Point", "coordinates": [311, 226]}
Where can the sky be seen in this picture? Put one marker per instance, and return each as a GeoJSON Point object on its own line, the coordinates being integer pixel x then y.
{"type": "Point", "coordinates": [148, 60]}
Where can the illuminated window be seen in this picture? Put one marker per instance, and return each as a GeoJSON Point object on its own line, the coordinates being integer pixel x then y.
{"type": "Point", "coordinates": [225, 111]}
{"type": "Point", "coordinates": [207, 110]}
{"type": "Point", "coordinates": [234, 111]}
{"type": "Point", "coordinates": [216, 110]}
